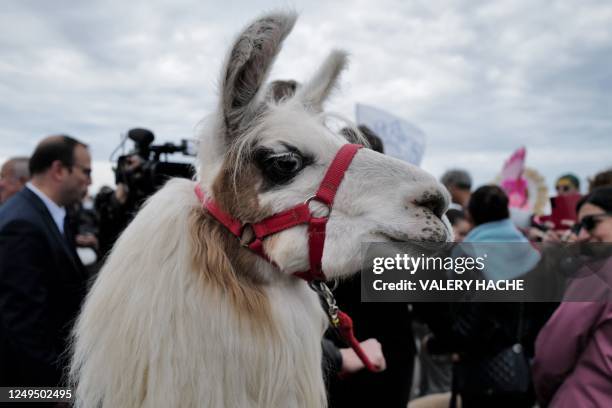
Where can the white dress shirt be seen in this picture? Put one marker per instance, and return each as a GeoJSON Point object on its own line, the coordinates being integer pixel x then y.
{"type": "Point", "coordinates": [57, 213]}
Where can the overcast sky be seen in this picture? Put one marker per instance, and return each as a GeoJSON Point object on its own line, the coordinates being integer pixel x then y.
{"type": "Point", "coordinates": [480, 78]}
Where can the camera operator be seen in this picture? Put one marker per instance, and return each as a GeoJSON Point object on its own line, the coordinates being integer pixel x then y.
{"type": "Point", "coordinates": [116, 208]}
{"type": "Point", "coordinates": [137, 176]}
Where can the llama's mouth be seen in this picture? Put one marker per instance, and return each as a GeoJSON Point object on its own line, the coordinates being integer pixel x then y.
{"type": "Point", "coordinates": [393, 239]}
{"type": "Point", "coordinates": [396, 237]}
{"type": "Point", "coordinates": [434, 236]}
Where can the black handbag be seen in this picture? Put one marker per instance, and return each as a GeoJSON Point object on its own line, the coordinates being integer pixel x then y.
{"type": "Point", "coordinates": [506, 372]}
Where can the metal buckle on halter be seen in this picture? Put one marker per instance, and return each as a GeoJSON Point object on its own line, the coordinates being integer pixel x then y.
{"type": "Point", "coordinates": [326, 293]}
{"type": "Point", "coordinates": [315, 198]}
{"type": "Point", "coordinates": [247, 237]}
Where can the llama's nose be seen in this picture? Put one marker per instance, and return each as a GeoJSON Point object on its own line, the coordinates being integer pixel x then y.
{"type": "Point", "coordinates": [436, 201]}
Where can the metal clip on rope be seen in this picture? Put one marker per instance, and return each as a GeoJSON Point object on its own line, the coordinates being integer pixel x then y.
{"type": "Point", "coordinates": [332, 308]}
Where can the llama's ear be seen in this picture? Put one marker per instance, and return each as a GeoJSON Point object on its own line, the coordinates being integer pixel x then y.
{"type": "Point", "coordinates": [247, 67]}
{"type": "Point", "coordinates": [281, 90]}
{"type": "Point", "coordinates": [315, 92]}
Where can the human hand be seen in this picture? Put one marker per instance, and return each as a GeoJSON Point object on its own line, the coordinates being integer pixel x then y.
{"type": "Point", "coordinates": [535, 234]}
{"type": "Point", "coordinates": [121, 193]}
{"type": "Point", "coordinates": [569, 236]}
{"type": "Point", "coordinates": [552, 236]}
{"type": "Point", "coordinates": [87, 240]}
{"type": "Point", "coordinates": [351, 363]}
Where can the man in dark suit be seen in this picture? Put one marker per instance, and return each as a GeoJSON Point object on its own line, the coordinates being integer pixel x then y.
{"type": "Point", "coordinates": [42, 281]}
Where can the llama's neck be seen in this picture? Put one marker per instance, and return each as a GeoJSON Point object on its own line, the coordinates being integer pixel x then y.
{"type": "Point", "coordinates": [279, 314]}
{"type": "Point", "coordinates": [161, 327]}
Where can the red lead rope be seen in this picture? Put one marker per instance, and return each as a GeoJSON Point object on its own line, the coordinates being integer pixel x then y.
{"type": "Point", "coordinates": [345, 328]}
{"type": "Point", "coordinates": [341, 322]}
{"type": "Point", "coordinates": [300, 214]}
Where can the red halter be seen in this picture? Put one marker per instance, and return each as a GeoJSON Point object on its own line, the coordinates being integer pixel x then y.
{"type": "Point", "coordinates": [300, 214]}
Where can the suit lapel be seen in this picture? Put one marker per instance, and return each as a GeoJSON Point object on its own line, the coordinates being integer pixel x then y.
{"type": "Point", "coordinates": [42, 209]}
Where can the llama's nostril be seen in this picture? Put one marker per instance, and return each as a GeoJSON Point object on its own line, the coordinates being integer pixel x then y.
{"type": "Point", "coordinates": [435, 201]}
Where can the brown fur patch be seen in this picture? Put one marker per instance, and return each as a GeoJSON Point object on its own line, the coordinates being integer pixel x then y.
{"type": "Point", "coordinates": [239, 200]}
{"type": "Point", "coordinates": [218, 255]}
{"type": "Point", "coordinates": [229, 270]}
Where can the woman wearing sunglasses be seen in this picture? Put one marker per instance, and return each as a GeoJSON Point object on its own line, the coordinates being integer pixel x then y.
{"type": "Point", "coordinates": [568, 184]}
{"type": "Point", "coordinates": [595, 216]}
{"type": "Point", "coordinates": [573, 357]}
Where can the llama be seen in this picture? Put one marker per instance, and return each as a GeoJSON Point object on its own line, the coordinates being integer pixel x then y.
{"type": "Point", "coordinates": [183, 314]}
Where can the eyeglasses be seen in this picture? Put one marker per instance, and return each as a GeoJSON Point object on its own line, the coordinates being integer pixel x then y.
{"type": "Point", "coordinates": [589, 222]}
{"type": "Point", "coordinates": [563, 188]}
{"type": "Point", "coordinates": [86, 170]}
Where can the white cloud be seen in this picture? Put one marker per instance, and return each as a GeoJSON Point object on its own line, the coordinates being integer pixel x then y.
{"type": "Point", "coordinates": [481, 78]}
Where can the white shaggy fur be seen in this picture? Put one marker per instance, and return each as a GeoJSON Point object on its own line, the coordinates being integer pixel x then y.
{"type": "Point", "coordinates": [155, 331]}
{"type": "Point", "coordinates": [152, 335]}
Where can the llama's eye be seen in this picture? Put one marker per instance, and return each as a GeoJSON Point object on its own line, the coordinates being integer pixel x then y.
{"type": "Point", "coordinates": [282, 167]}
{"type": "Point", "coordinates": [279, 168]}
{"type": "Point", "coordinates": [288, 163]}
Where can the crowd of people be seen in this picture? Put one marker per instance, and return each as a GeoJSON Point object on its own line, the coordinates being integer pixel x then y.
{"type": "Point", "coordinates": [53, 239]}
{"type": "Point", "coordinates": [565, 348]}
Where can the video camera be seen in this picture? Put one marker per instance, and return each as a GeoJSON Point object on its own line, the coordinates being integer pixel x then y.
{"type": "Point", "coordinates": [143, 171]}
